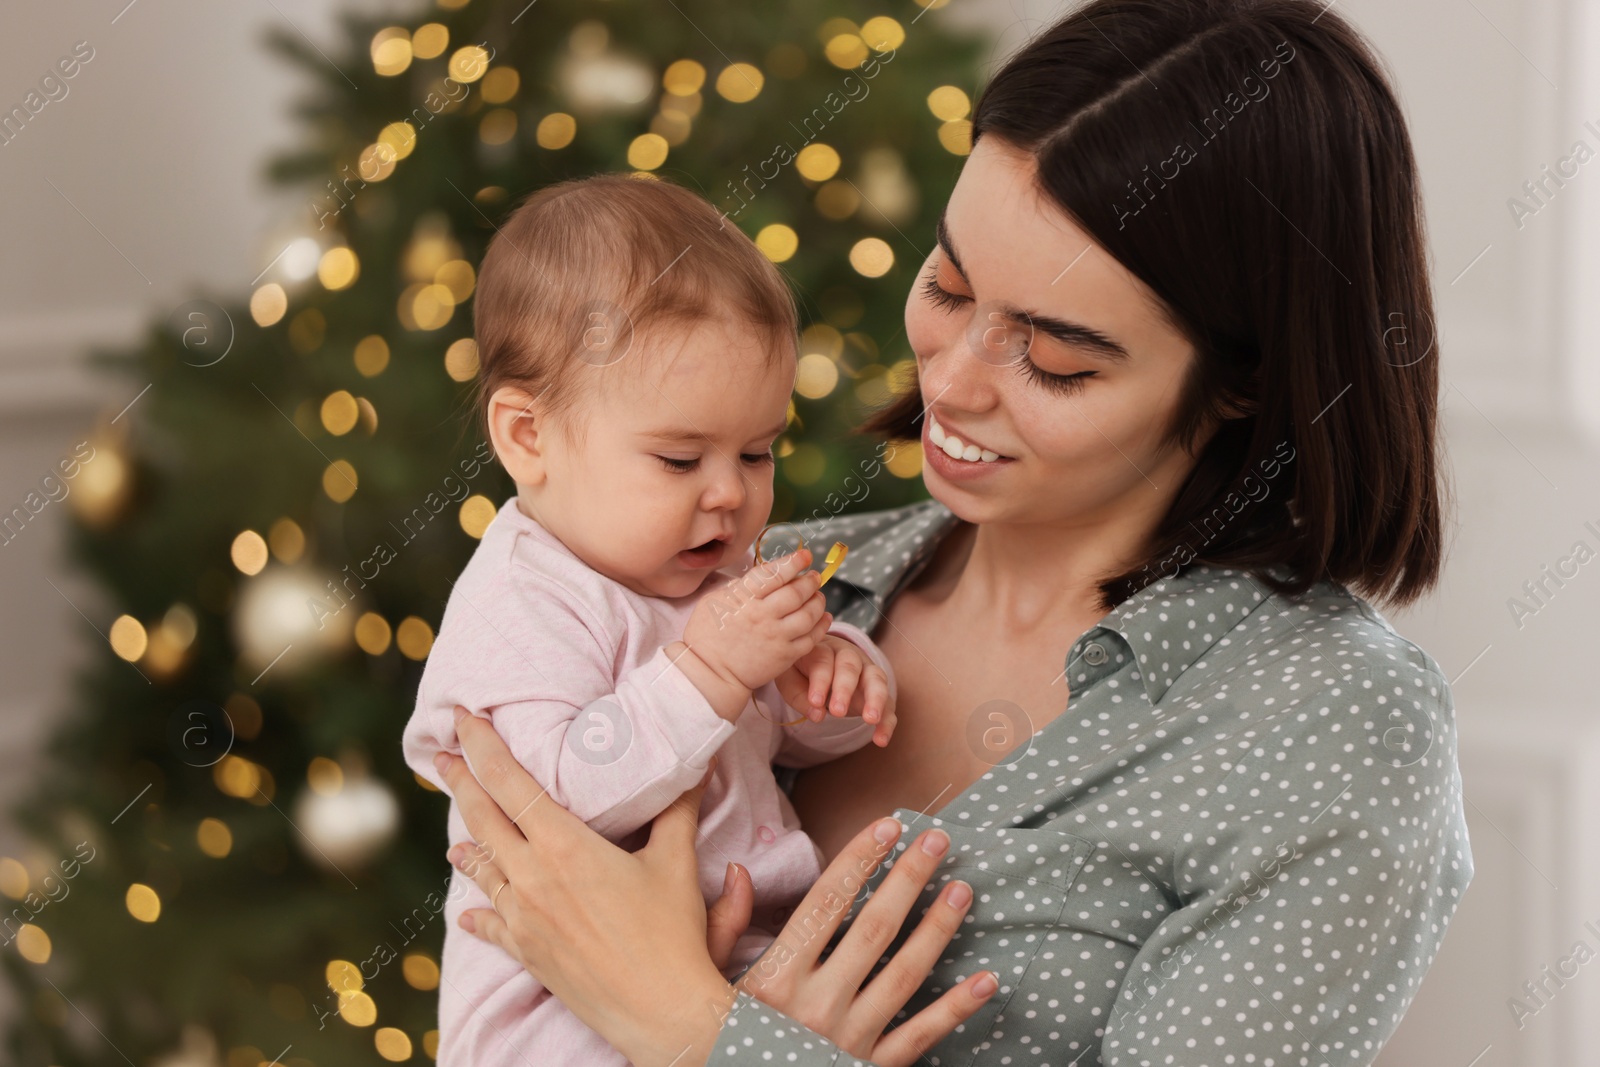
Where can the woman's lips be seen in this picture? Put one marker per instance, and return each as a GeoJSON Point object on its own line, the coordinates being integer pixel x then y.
{"type": "Point", "coordinates": [958, 470]}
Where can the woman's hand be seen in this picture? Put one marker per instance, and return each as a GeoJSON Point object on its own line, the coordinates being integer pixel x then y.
{"type": "Point", "coordinates": [730, 915]}
{"type": "Point", "coordinates": [827, 996]}
{"type": "Point", "coordinates": [621, 938]}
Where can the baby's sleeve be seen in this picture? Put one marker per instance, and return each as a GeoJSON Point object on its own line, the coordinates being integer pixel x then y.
{"type": "Point", "coordinates": [806, 744]}
{"type": "Point", "coordinates": [615, 751]}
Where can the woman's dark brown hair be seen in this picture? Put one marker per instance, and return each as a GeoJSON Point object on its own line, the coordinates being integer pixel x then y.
{"type": "Point", "coordinates": [1248, 161]}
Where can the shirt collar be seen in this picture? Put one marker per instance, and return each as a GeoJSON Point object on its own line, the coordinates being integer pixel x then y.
{"type": "Point", "coordinates": [1168, 625]}
{"type": "Point", "coordinates": [1172, 622]}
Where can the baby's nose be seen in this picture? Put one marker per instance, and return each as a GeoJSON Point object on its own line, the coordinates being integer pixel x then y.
{"type": "Point", "coordinates": [725, 492]}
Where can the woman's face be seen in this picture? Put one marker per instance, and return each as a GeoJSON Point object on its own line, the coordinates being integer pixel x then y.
{"type": "Point", "coordinates": [1045, 351]}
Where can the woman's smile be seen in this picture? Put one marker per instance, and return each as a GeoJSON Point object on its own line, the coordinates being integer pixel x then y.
{"type": "Point", "coordinates": [941, 451]}
{"type": "Point", "coordinates": [957, 446]}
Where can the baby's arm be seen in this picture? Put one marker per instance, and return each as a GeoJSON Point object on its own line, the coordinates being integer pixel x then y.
{"type": "Point", "coordinates": [615, 752]}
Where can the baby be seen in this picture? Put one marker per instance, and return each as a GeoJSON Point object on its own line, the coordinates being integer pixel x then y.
{"type": "Point", "coordinates": [614, 624]}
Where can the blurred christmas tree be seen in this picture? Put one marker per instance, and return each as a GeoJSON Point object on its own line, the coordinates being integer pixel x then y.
{"type": "Point", "coordinates": [218, 874]}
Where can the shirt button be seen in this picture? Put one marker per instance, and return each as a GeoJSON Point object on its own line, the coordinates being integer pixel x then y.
{"type": "Point", "coordinates": [1094, 654]}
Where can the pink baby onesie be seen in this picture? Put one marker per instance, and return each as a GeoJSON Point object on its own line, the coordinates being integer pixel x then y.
{"type": "Point", "coordinates": [570, 667]}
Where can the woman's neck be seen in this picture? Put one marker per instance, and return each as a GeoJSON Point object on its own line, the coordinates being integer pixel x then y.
{"type": "Point", "coordinates": [1029, 576]}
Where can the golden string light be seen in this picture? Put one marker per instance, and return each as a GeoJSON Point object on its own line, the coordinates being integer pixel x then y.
{"type": "Point", "coordinates": [817, 162]}
{"type": "Point", "coordinates": [430, 40]}
{"type": "Point", "coordinates": [143, 903]}
{"type": "Point", "coordinates": [778, 242]}
{"type": "Point", "coordinates": [477, 511]}
{"type": "Point", "coordinates": [339, 481]}
{"type": "Point", "coordinates": [371, 355]}
{"type": "Point", "coordinates": [287, 541]}
{"type": "Point", "coordinates": [373, 634]}
{"type": "Point", "coordinates": [268, 304]}
{"type": "Point", "coordinates": [883, 34]}
{"type": "Point", "coordinates": [414, 638]}
{"type": "Point", "coordinates": [391, 51]}
{"type": "Point", "coordinates": [214, 838]}
{"type": "Point", "coordinates": [339, 412]}
{"type": "Point", "coordinates": [500, 85]}
{"type": "Point", "coordinates": [461, 360]}
{"type": "Point", "coordinates": [648, 151]}
{"type": "Point", "coordinates": [556, 130]}
{"type": "Point", "coordinates": [871, 257]}
{"type": "Point", "coordinates": [683, 78]}
{"type": "Point", "coordinates": [740, 83]}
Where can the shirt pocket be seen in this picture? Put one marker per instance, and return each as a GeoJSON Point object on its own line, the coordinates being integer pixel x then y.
{"type": "Point", "coordinates": [1020, 878]}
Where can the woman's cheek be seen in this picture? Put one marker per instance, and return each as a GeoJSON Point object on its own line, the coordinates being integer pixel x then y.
{"type": "Point", "coordinates": [929, 331]}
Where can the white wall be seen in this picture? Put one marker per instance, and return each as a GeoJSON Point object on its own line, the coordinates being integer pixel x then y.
{"type": "Point", "coordinates": [160, 141]}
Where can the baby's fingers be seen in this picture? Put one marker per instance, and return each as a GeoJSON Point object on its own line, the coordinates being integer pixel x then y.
{"type": "Point", "coordinates": [820, 664]}
{"type": "Point", "coordinates": [875, 691]}
{"type": "Point", "coordinates": [846, 673]}
{"type": "Point", "coordinates": [885, 730]}
{"type": "Point", "coordinates": [786, 581]}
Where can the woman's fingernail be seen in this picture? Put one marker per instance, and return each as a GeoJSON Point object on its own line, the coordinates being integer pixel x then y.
{"type": "Point", "coordinates": [934, 842]}
{"type": "Point", "coordinates": [727, 879]}
{"type": "Point", "coordinates": [441, 761]}
{"type": "Point", "coordinates": [985, 985]}
{"type": "Point", "coordinates": [454, 854]}
{"type": "Point", "coordinates": [459, 713]}
{"type": "Point", "coordinates": [960, 895]}
{"type": "Point", "coordinates": [886, 830]}
{"type": "Point", "coordinates": [467, 923]}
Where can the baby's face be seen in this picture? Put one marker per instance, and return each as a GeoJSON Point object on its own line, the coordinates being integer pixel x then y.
{"type": "Point", "coordinates": [678, 454]}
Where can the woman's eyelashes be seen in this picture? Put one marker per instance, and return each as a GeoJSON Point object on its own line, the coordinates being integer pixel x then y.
{"type": "Point", "coordinates": [938, 295]}
{"type": "Point", "coordinates": [1056, 383]}
{"type": "Point", "coordinates": [941, 297]}
{"type": "Point", "coordinates": [684, 466]}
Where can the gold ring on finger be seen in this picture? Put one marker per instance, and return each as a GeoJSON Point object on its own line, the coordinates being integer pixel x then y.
{"type": "Point", "coordinates": [494, 901]}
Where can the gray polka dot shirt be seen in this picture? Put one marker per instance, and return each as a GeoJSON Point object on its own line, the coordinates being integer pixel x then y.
{"type": "Point", "coordinates": [1240, 844]}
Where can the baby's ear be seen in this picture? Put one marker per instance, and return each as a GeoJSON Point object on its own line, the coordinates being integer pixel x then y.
{"type": "Point", "coordinates": [520, 431]}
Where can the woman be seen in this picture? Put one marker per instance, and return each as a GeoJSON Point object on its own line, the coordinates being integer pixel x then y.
{"type": "Point", "coordinates": [1205, 798]}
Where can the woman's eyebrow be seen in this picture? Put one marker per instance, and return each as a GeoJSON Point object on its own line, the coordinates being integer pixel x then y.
{"type": "Point", "coordinates": [1087, 338]}
{"type": "Point", "coordinates": [1092, 341]}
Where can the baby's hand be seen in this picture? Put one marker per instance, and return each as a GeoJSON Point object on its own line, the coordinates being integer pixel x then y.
{"type": "Point", "coordinates": [752, 627]}
{"type": "Point", "coordinates": [837, 677]}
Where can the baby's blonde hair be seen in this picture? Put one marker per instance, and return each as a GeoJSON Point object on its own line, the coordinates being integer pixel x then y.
{"type": "Point", "coordinates": [581, 268]}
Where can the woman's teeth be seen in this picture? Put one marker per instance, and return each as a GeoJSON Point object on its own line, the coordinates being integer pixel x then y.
{"type": "Point", "coordinates": [956, 448]}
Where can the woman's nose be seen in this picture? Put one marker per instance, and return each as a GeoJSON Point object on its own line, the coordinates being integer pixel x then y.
{"type": "Point", "coordinates": [962, 373]}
